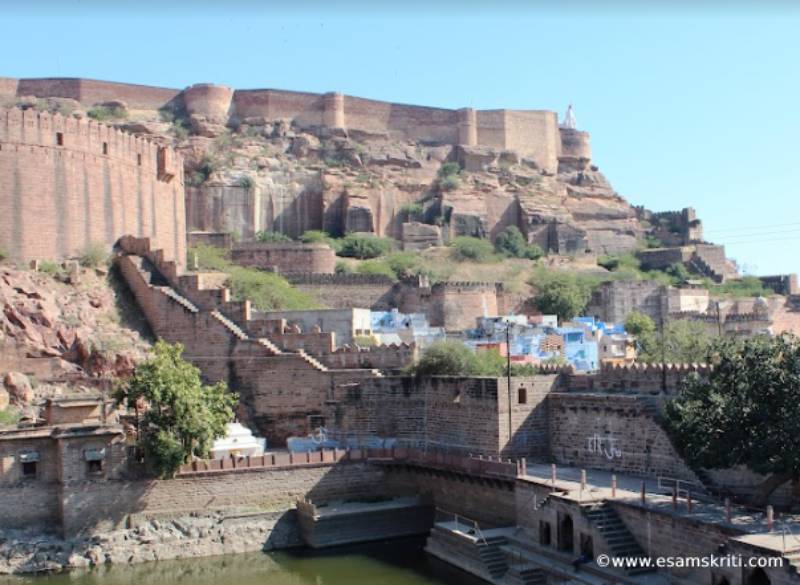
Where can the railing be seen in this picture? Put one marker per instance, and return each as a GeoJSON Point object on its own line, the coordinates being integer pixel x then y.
{"type": "Point", "coordinates": [689, 489]}
{"type": "Point", "coordinates": [481, 466]}
{"type": "Point", "coordinates": [472, 526]}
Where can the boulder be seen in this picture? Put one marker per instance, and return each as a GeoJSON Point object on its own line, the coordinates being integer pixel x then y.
{"type": "Point", "coordinates": [18, 387]}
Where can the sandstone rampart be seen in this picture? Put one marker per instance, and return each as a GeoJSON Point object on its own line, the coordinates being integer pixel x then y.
{"type": "Point", "coordinates": [67, 183]}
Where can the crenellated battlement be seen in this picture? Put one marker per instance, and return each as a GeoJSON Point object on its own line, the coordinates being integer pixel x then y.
{"type": "Point", "coordinates": [69, 183]}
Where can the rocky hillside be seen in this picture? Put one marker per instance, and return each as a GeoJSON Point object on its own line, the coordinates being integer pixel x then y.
{"type": "Point", "coordinates": [270, 175]}
{"type": "Point", "coordinates": [63, 333]}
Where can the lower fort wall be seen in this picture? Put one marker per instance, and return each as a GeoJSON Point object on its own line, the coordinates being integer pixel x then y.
{"type": "Point", "coordinates": [616, 433]}
{"type": "Point", "coordinates": [286, 258]}
{"type": "Point", "coordinates": [101, 506]}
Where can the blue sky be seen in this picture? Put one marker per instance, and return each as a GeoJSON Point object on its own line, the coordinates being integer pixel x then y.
{"type": "Point", "coordinates": [686, 106]}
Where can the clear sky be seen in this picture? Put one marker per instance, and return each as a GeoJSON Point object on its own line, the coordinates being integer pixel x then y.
{"type": "Point", "coordinates": [686, 106]}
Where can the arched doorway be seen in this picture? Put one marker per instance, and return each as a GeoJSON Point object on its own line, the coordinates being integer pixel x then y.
{"type": "Point", "coordinates": [566, 533]}
{"type": "Point", "coordinates": [758, 577]}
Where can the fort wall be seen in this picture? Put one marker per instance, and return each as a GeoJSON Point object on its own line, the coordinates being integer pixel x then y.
{"type": "Point", "coordinates": [617, 433]}
{"type": "Point", "coordinates": [67, 183]}
{"type": "Point", "coordinates": [534, 133]}
{"type": "Point", "coordinates": [285, 258]}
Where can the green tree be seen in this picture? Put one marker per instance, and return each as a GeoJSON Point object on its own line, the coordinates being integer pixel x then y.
{"type": "Point", "coordinates": [364, 246]}
{"type": "Point", "coordinates": [680, 342]}
{"type": "Point", "coordinates": [512, 243]}
{"type": "Point", "coordinates": [468, 248]}
{"type": "Point", "coordinates": [183, 416]}
{"type": "Point", "coordinates": [562, 295]}
{"type": "Point", "coordinates": [746, 412]}
{"type": "Point", "coordinates": [639, 324]}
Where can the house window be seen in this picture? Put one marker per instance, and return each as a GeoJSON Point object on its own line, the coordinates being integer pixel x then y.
{"type": "Point", "coordinates": [105, 148]}
{"type": "Point", "coordinates": [29, 461]}
{"type": "Point", "coordinates": [545, 538]}
{"type": "Point", "coordinates": [94, 460]}
{"type": "Point", "coordinates": [60, 138]}
{"type": "Point", "coordinates": [522, 396]}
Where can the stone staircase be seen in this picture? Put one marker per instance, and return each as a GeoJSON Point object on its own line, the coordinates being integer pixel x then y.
{"type": "Point", "coordinates": [699, 266]}
{"type": "Point", "coordinates": [527, 574]}
{"type": "Point", "coordinates": [230, 325]}
{"type": "Point", "coordinates": [621, 543]}
{"type": "Point", "coordinates": [492, 555]}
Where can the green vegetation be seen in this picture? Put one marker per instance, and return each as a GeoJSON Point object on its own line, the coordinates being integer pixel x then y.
{"type": "Point", "coordinates": [449, 176]}
{"type": "Point", "coordinates": [94, 255]}
{"type": "Point", "coordinates": [50, 267]}
{"type": "Point", "coordinates": [184, 415]}
{"type": "Point", "coordinates": [104, 113]}
{"type": "Point", "coordinates": [680, 342]}
{"type": "Point", "coordinates": [453, 358]}
{"type": "Point", "coordinates": [363, 246]}
{"type": "Point", "coordinates": [266, 290]}
{"type": "Point", "coordinates": [412, 211]}
{"type": "Point", "coordinates": [270, 237]}
{"type": "Point", "coordinates": [747, 412]}
{"type": "Point", "coordinates": [342, 268]}
{"type": "Point", "coordinates": [9, 416]}
{"type": "Point", "coordinates": [748, 286]}
{"type": "Point", "coordinates": [474, 249]}
{"type": "Point", "coordinates": [376, 267]}
{"type": "Point", "coordinates": [321, 237]}
{"type": "Point", "coordinates": [561, 293]}
{"type": "Point", "coordinates": [512, 243]}
{"type": "Point", "coordinates": [207, 166]}
{"type": "Point", "coordinates": [639, 324]}
{"type": "Point", "coordinates": [4, 255]}
{"type": "Point", "coordinates": [246, 182]}
{"type": "Point", "coordinates": [365, 340]}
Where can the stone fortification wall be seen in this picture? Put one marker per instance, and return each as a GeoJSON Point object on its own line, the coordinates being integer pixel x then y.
{"type": "Point", "coordinates": [66, 183]}
{"type": "Point", "coordinates": [634, 378]}
{"type": "Point", "coordinates": [617, 433]}
{"type": "Point", "coordinates": [534, 133]}
{"type": "Point", "coordinates": [285, 258]}
{"type": "Point", "coordinates": [90, 91]}
{"type": "Point", "coordinates": [457, 414]}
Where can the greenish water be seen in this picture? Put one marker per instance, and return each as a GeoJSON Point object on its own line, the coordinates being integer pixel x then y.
{"type": "Point", "coordinates": [388, 563]}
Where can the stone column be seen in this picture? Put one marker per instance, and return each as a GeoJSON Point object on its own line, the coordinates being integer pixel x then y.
{"type": "Point", "coordinates": [333, 110]}
{"type": "Point", "coordinates": [467, 127]}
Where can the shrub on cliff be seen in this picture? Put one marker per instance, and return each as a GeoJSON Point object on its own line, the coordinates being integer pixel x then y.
{"type": "Point", "coordinates": [321, 237]}
{"type": "Point", "coordinates": [475, 249]}
{"type": "Point", "coordinates": [746, 412]}
{"type": "Point", "coordinates": [378, 267]}
{"type": "Point", "coordinates": [182, 416]}
{"type": "Point", "coordinates": [103, 112]}
{"type": "Point", "coordinates": [448, 179]}
{"type": "Point", "coordinates": [270, 237]}
{"type": "Point", "coordinates": [94, 255]}
{"type": "Point", "coordinates": [364, 246]}
{"type": "Point", "coordinates": [512, 243]}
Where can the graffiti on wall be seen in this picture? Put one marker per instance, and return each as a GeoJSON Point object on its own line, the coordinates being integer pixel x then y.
{"type": "Point", "coordinates": [604, 446]}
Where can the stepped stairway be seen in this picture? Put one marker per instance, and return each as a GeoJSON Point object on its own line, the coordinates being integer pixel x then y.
{"type": "Point", "coordinates": [492, 555]}
{"type": "Point", "coordinates": [699, 266]}
{"type": "Point", "coordinates": [621, 543]}
{"type": "Point", "coordinates": [526, 575]}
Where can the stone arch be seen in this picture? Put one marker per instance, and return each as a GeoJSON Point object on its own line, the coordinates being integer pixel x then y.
{"type": "Point", "coordinates": [566, 533]}
{"type": "Point", "coordinates": [758, 576]}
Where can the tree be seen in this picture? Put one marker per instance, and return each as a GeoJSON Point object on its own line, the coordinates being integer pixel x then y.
{"type": "Point", "coordinates": [469, 248]}
{"type": "Point", "coordinates": [639, 324]}
{"type": "Point", "coordinates": [445, 358]}
{"type": "Point", "coordinates": [512, 243]}
{"type": "Point", "coordinates": [680, 342]}
{"type": "Point", "coordinates": [562, 295]}
{"type": "Point", "coordinates": [746, 412]}
{"type": "Point", "coordinates": [364, 246]}
{"type": "Point", "coordinates": [183, 415]}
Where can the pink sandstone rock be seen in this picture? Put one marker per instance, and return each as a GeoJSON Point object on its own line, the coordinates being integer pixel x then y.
{"type": "Point", "coordinates": [18, 387]}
